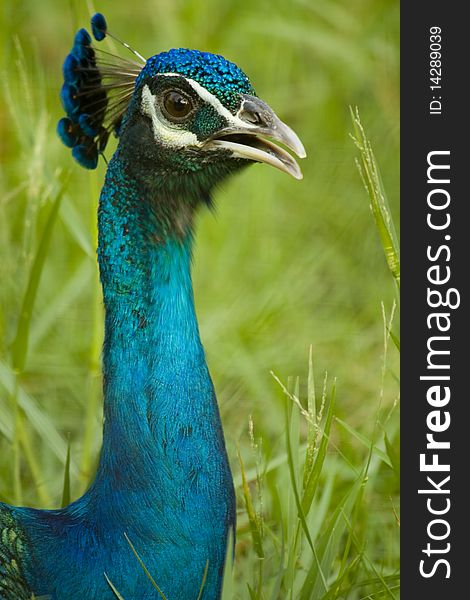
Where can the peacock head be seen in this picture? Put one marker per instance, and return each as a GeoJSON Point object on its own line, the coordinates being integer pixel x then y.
{"type": "Point", "coordinates": [179, 112]}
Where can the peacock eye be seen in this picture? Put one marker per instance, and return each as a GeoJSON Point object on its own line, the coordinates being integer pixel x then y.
{"type": "Point", "coordinates": [177, 106]}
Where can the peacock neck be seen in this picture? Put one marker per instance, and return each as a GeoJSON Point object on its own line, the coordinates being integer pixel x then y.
{"type": "Point", "coordinates": [163, 476]}
{"type": "Point", "coordinates": [152, 356]}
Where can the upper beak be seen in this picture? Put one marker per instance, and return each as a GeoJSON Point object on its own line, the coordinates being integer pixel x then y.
{"type": "Point", "coordinates": [245, 138]}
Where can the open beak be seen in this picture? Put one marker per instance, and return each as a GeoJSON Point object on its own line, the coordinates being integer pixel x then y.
{"type": "Point", "coordinates": [246, 138]}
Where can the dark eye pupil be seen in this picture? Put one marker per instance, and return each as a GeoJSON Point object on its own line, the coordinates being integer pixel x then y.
{"type": "Point", "coordinates": [177, 105]}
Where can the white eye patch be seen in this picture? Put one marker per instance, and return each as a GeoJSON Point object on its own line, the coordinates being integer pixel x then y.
{"type": "Point", "coordinates": [176, 137]}
{"type": "Point", "coordinates": [163, 131]}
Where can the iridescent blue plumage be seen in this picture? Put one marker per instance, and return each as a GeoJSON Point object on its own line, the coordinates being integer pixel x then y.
{"type": "Point", "coordinates": [215, 73]}
{"type": "Point", "coordinates": [66, 132]}
{"type": "Point", "coordinates": [98, 27]}
{"type": "Point", "coordinates": [186, 120]}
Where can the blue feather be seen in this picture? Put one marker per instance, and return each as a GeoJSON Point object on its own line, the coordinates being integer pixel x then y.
{"type": "Point", "coordinates": [69, 69]}
{"type": "Point", "coordinates": [218, 75]}
{"type": "Point", "coordinates": [86, 155]}
{"type": "Point", "coordinates": [82, 38]}
{"type": "Point", "coordinates": [70, 102]}
{"type": "Point", "coordinates": [98, 27]}
{"type": "Point", "coordinates": [67, 132]}
{"type": "Point", "coordinates": [86, 126]}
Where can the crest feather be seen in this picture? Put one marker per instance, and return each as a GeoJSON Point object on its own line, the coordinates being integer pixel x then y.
{"type": "Point", "coordinates": [96, 92]}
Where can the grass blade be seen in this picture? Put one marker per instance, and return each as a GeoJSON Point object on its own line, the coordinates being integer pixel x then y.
{"type": "Point", "coordinates": [369, 170]}
{"type": "Point", "coordinates": [146, 571]}
{"type": "Point", "coordinates": [203, 582]}
{"type": "Point", "coordinates": [254, 521]}
{"type": "Point", "coordinates": [312, 423]}
{"type": "Point", "coordinates": [329, 545]}
{"type": "Point", "coordinates": [395, 339]}
{"type": "Point", "coordinates": [335, 588]}
{"type": "Point", "coordinates": [392, 454]}
{"type": "Point", "coordinates": [36, 417]}
{"type": "Point", "coordinates": [111, 585]}
{"type": "Point", "coordinates": [365, 442]}
{"type": "Point", "coordinates": [276, 591]}
{"type": "Point", "coordinates": [300, 511]}
{"type": "Point", "coordinates": [275, 463]}
{"type": "Point", "coordinates": [314, 476]}
{"type": "Point", "coordinates": [66, 488]}
{"type": "Point", "coordinates": [19, 348]}
{"type": "Point", "coordinates": [228, 585]}
{"type": "Point", "coordinates": [62, 302]}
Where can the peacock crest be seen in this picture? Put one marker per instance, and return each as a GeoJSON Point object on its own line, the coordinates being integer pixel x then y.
{"type": "Point", "coordinates": [95, 94]}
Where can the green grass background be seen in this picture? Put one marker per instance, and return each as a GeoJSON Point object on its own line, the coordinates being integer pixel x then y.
{"type": "Point", "coordinates": [281, 266]}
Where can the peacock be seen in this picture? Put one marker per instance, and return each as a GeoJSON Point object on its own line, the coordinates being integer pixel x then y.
{"type": "Point", "coordinates": [185, 121]}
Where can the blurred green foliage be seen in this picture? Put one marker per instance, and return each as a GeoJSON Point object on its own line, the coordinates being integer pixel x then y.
{"type": "Point", "coordinates": [282, 265]}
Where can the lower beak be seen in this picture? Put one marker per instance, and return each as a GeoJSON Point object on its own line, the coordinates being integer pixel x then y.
{"type": "Point", "coordinates": [254, 122]}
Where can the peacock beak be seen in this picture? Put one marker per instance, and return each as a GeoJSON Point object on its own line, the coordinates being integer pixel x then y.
{"type": "Point", "coordinates": [245, 137]}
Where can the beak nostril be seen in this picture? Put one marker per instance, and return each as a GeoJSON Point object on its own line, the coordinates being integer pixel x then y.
{"type": "Point", "coordinates": [252, 117]}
